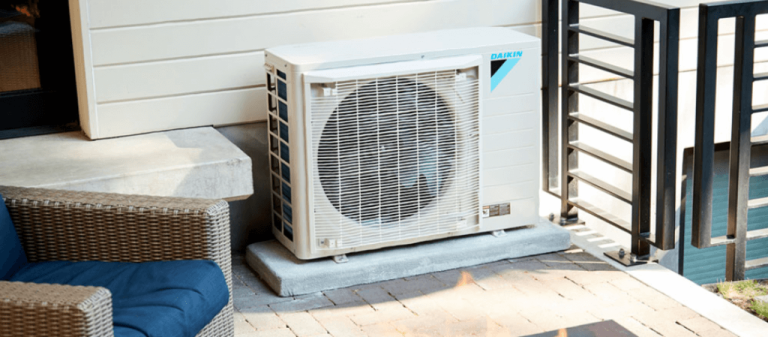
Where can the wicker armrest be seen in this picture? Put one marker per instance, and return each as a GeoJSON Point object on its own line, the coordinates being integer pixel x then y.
{"type": "Point", "coordinates": [80, 226]}
{"type": "Point", "coordinates": [29, 309]}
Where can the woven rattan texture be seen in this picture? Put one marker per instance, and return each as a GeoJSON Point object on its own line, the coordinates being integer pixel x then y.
{"type": "Point", "coordinates": [78, 226]}
{"type": "Point", "coordinates": [29, 309]}
{"type": "Point", "coordinates": [82, 226]}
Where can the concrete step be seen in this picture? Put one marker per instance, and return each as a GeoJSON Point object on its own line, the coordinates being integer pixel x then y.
{"type": "Point", "coordinates": [195, 163]}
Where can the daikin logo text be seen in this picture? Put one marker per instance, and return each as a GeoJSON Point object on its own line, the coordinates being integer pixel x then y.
{"type": "Point", "coordinates": [508, 55]}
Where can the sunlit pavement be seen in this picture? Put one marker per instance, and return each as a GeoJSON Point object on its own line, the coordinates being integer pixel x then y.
{"type": "Point", "coordinates": [507, 298]}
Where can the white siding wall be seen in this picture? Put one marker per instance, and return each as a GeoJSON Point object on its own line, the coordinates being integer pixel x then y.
{"type": "Point", "coordinates": [150, 65]}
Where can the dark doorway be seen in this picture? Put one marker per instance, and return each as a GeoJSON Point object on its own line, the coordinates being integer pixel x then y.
{"type": "Point", "coordinates": [38, 94]}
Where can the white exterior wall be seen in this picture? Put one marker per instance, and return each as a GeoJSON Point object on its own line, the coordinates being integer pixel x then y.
{"type": "Point", "coordinates": [151, 65]}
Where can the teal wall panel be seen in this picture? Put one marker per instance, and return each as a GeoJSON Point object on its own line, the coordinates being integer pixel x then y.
{"type": "Point", "coordinates": [708, 265]}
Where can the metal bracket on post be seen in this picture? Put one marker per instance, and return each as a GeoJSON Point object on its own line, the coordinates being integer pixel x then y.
{"type": "Point", "coordinates": [629, 260]}
{"type": "Point", "coordinates": [564, 221]}
{"type": "Point", "coordinates": [340, 258]}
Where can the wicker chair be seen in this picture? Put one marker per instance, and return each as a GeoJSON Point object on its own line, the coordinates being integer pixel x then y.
{"type": "Point", "coordinates": [81, 226]}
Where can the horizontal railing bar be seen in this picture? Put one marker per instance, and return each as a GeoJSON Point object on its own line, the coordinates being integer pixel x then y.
{"type": "Point", "coordinates": [761, 43]}
{"type": "Point", "coordinates": [555, 192]}
{"type": "Point", "coordinates": [760, 140]}
{"type": "Point", "coordinates": [720, 240]}
{"type": "Point", "coordinates": [602, 185]}
{"type": "Point", "coordinates": [602, 215]}
{"type": "Point", "coordinates": [760, 76]}
{"type": "Point", "coordinates": [610, 159]}
{"type": "Point", "coordinates": [603, 35]}
{"type": "Point", "coordinates": [756, 263]}
{"type": "Point", "coordinates": [758, 171]}
{"type": "Point", "coordinates": [757, 234]}
{"type": "Point", "coordinates": [602, 65]}
{"type": "Point", "coordinates": [756, 203]}
{"type": "Point", "coordinates": [599, 95]}
{"type": "Point", "coordinates": [759, 108]}
{"type": "Point", "coordinates": [602, 126]}
{"type": "Point", "coordinates": [641, 8]}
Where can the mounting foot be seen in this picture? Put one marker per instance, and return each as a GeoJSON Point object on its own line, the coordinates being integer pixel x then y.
{"type": "Point", "coordinates": [628, 259]}
{"type": "Point", "coordinates": [499, 233]}
{"type": "Point", "coordinates": [341, 258]}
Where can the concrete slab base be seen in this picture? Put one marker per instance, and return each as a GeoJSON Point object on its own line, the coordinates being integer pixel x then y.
{"type": "Point", "coordinates": [194, 163]}
{"type": "Point", "coordinates": [289, 276]}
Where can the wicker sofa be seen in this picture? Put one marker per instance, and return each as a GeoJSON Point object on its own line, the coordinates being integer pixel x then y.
{"type": "Point", "coordinates": [58, 225]}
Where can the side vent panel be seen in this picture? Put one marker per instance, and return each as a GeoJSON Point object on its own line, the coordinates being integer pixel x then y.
{"type": "Point", "coordinates": [279, 144]}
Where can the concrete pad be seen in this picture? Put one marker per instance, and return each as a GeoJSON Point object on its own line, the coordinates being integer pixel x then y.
{"type": "Point", "coordinates": [289, 276]}
{"type": "Point", "coordinates": [197, 163]}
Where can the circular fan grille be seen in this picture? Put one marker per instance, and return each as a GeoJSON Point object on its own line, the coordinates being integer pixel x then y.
{"type": "Point", "coordinates": [387, 151]}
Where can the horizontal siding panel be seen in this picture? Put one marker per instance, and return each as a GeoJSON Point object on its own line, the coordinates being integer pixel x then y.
{"type": "Point", "coordinates": [167, 78]}
{"type": "Point", "coordinates": [197, 38]}
{"type": "Point", "coordinates": [118, 13]}
{"type": "Point", "coordinates": [190, 39]}
{"type": "Point", "coordinates": [158, 79]}
{"type": "Point", "coordinates": [219, 108]}
{"type": "Point", "coordinates": [115, 13]}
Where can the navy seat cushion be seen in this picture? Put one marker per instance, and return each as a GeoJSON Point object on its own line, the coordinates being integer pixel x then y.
{"type": "Point", "coordinates": [12, 257]}
{"type": "Point", "coordinates": [168, 298]}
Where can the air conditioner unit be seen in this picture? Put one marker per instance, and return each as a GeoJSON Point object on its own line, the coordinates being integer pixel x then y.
{"type": "Point", "coordinates": [402, 139]}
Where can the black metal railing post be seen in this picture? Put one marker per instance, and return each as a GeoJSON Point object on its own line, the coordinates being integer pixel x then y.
{"type": "Point", "coordinates": [570, 130]}
{"type": "Point", "coordinates": [666, 174]}
{"type": "Point", "coordinates": [639, 226]}
{"type": "Point", "coordinates": [549, 93]}
{"type": "Point", "coordinates": [642, 132]}
{"type": "Point", "coordinates": [737, 234]}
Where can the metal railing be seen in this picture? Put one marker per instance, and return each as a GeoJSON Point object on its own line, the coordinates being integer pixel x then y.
{"type": "Point", "coordinates": [645, 16]}
{"type": "Point", "coordinates": [741, 144]}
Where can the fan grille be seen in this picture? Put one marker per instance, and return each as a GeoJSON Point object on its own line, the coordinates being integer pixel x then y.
{"type": "Point", "coordinates": [395, 158]}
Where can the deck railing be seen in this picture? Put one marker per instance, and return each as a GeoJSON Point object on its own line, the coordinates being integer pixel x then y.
{"type": "Point", "coordinates": [639, 227]}
{"type": "Point", "coordinates": [741, 143]}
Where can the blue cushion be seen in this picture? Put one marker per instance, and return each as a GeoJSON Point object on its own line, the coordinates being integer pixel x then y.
{"type": "Point", "coordinates": [12, 257]}
{"type": "Point", "coordinates": [169, 298]}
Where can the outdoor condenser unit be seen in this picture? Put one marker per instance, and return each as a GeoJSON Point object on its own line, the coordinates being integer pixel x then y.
{"type": "Point", "coordinates": [402, 139]}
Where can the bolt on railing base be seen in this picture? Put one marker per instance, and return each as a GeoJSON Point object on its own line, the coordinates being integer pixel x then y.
{"type": "Point", "coordinates": [565, 221]}
{"type": "Point", "coordinates": [623, 256]}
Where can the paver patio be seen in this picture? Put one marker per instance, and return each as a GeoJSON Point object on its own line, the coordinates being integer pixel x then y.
{"type": "Point", "coordinates": [507, 298]}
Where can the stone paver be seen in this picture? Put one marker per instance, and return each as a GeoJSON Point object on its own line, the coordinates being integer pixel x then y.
{"type": "Point", "coordinates": [262, 318]}
{"type": "Point", "coordinates": [270, 333]}
{"type": "Point", "coordinates": [343, 327]}
{"type": "Point", "coordinates": [383, 330]}
{"type": "Point", "coordinates": [343, 296]}
{"type": "Point", "coordinates": [514, 323]}
{"type": "Point", "coordinates": [506, 298]}
{"type": "Point", "coordinates": [303, 324]}
{"type": "Point", "coordinates": [699, 325]}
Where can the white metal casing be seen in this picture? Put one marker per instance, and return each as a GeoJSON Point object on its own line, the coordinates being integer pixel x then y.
{"type": "Point", "coordinates": [509, 141]}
